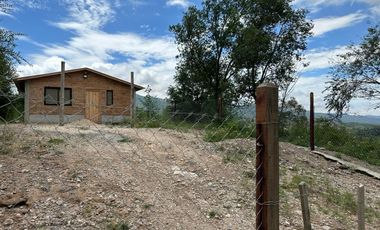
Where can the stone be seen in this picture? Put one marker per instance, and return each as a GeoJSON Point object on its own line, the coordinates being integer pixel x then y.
{"type": "Point", "coordinates": [8, 222]}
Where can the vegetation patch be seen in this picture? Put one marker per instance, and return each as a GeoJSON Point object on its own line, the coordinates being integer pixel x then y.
{"type": "Point", "coordinates": [212, 214]}
{"type": "Point", "coordinates": [297, 179]}
{"type": "Point", "coordinates": [118, 226]}
{"type": "Point", "coordinates": [230, 130]}
{"type": "Point", "coordinates": [342, 199]}
{"type": "Point", "coordinates": [237, 155]}
{"type": "Point", "coordinates": [124, 139]}
{"type": "Point", "coordinates": [7, 139]}
{"type": "Point", "coordinates": [56, 141]}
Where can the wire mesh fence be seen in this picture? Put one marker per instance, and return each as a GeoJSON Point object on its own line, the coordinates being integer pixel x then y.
{"type": "Point", "coordinates": [163, 169]}
{"type": "Point", "coordinates": [165, 172]}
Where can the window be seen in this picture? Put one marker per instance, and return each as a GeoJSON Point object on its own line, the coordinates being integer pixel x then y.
{"type": "Point", "coordinates": [109, 98]}
{"type": "Point", "coordinates": [51, 96]}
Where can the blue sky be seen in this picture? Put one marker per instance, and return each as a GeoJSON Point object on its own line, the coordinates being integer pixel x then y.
{"type": "Point", "coordinates": [120, 36]}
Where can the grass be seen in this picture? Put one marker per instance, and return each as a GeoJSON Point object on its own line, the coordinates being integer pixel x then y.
{"type": "Point", "coordinates": [124, 139]}
{"type": "Point", "coordinates": [338, 138]}
{"type": "Point", "coordinates": [118, 226]}
{"type": "Point", "coordinates": [342, 199]}
{"type": "Point", "coordinates": [237, 155]}
{"type": "Point", "coordinates": [297, 179]}
{"type": "Point", "coordinates": [346, 140]}
{"type": "Point", "coordinates": [215, 130]}
{"type": "Point", "coordinates": [7, 139]}
{"type": "Point", "coordinates": [212, 214]}
{"type": "Point", "coordinates": [331, 200]}
{"type": "Point", "coordinates": [56, 141]}
{"type": "Point", "coordinates": [147, 206]}
{"type": "Point", "coordinates": [230, 129]}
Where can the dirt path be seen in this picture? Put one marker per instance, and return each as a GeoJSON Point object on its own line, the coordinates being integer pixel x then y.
{"type": "Point", "coordinates": [86, 176]}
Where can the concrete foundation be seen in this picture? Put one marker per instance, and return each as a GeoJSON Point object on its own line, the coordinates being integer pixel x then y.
{"type": "Point", "coordinates": [54, 119]}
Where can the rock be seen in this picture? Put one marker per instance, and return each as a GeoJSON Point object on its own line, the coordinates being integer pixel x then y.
{"type": "Point", "coordinates": [326, 227]}
{"type": "Point", "coordinates": [25, 171]}
{"type": "Point", "coordinates": [8, 222]}
{"type": "Point", "coordinates": [13, 200]}
{"type": "Point", "coordinates": [185, 174]}
{"type": "Point", "coordinates": [227, 205]}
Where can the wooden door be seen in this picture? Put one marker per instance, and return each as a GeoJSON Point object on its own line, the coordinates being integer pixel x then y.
{"type": "Point", "coordinates": [93, 110]}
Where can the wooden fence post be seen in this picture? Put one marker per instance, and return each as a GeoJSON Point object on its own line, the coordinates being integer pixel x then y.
{"type": "Point", "coordinates": [62, 96]}
{"type": "Point", "coordinates": [361, 208]}
{"type": "Point", "coordinates": [312, 145]}
{"type": "Point", "coordinates": [220, 108]}
{"type": "Point", "coordinates": [132, 106]}
{"type": "Point", "coordinates": [267, 158]}
{"type": "Point", "coordinates": [305, 206]}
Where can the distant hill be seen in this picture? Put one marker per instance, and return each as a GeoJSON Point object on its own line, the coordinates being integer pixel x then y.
{"type": "Point", "coordinates": [368, 119]}
{"type": "Point", "coordinates": [249, 111]}
{"type": "Point", "coordinates": [161, 103]}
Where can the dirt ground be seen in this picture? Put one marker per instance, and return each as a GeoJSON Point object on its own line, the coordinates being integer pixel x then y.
{"type": "Point", "coordinates": [87, 176]}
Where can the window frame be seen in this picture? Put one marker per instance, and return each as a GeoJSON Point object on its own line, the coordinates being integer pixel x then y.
{"type": "Point", "coordinates": [112, 102]}
{"type": "Point", "coordinates": [58, 95]}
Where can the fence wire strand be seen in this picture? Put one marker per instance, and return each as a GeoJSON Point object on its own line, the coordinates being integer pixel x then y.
{"type": "Point", "coordinates": [173, 154]}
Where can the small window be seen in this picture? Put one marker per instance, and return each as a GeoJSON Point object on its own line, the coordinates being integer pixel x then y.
{"type": "Point", "coordinates": [109, 97]}
{"type": "Point", "coordinates": [51, 96]}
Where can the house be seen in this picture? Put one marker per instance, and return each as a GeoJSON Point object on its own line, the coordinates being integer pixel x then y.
{"type": "Point", "coordinates": [88, 94]}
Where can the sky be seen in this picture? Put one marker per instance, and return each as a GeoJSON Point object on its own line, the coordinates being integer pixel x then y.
{"type": "Point", "coordinates": [120, 36]}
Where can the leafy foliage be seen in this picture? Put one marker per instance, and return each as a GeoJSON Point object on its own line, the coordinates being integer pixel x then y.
{"type": "Point", "coordinates": [228, 48]}
{"type": "Point", "coordinates": [356, 74]}
{"type": "Point", "coordinates": [150, 108]}
{"type": "Point", "coordinates": [205, 40]}
{"type": "Point", "coordinates": [292, 115]}
{"type": "Point", "coordinates": [271, 40]}
{"type": "Point", "coordinates": [8, 58]}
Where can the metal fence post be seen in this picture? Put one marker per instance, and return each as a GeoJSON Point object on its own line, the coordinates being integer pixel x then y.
{"type": "Point", "coordinates": [312, 145]}
{"type": "Point", "coordinates": [267, 158]}
{"type": "Point", "coordinates": [62, 96]}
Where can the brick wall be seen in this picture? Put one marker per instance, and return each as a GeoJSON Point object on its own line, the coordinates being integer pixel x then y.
{"type": "Point", "coordinates": [79, 85]}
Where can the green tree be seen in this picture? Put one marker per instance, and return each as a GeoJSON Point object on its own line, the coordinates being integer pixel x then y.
{"type": "Point", "coordinates": [270, 42]}
{"type": "Point", "coordinates": [205, 40]}
{"type": "Point", "coordinates": [356, 74]}
{"type": "Point", "coordinates": [8, 58]}
{"type": "Point", "coordinates": [150, 108]}
{"type": "Point", "coordinates": [228, 48]}
{"type": "Point", "coordinates": [292, 117]}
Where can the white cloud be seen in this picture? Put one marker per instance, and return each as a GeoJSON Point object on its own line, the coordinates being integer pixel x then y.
{"type": "Point", "coordinates": [322, 58]}
{"type": "Point", "coordinates": [317, 84]}
{"type": "Point", "coordinates": [152, 59]}
{"type": "Point", "coordinates": [316, 5]}
{"type": "Point", "coordinates": [375, 10]}
{"type": "Point", "coordinates": [182, 3]}
{"type": "Point", "coordinates": [6, 14]}
{"type": "Point", "coordinates": [324, 25]}
{"type": "Point", "coordinates": [87, 14]}
{"type": "Point", "coordinates": [33, 4]}
{"type": "Point", "coordinates": [138, 2]}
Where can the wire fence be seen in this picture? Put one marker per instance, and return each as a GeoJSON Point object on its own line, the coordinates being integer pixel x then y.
{"type": "Point", "coordinates": [160, 170]}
